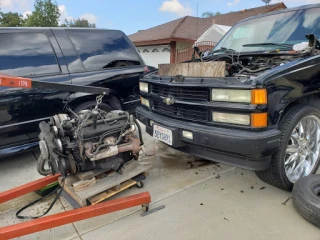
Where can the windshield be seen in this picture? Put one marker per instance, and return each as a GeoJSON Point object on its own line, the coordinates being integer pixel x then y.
{"type": "Point", "coordinates": [284, 28]}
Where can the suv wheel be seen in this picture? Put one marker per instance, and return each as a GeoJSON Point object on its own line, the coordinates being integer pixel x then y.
{"type": "Point", "coordinates": [299, 151]}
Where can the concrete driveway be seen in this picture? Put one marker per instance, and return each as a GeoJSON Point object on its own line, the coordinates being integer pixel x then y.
{"type": "Point", "coordinates": [202, 201]}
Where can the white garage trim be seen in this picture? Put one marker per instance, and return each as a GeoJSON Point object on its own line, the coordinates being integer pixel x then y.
{"type": "Point", "coordinates": [154, 55]}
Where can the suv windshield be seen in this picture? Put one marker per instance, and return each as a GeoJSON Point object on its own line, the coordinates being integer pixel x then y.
{"type": "Point", "coordinates": [283, 28]}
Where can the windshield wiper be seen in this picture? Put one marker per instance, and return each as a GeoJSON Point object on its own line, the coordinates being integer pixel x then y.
{"type": "Point", "coordinates": [268, 44]}
{"type": "Point", "coordinates": [224, 49]}
{"type": "Point", "coordinates": [220, 50]}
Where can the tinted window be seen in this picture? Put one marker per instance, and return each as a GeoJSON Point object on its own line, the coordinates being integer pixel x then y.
{"type": "Point", "coordinates": [26, 54]}
{"type": "Point", "coordinates": [103, 49]}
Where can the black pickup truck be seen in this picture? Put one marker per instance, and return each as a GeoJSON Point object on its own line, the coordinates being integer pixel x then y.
{"type": "Point", "coordinates": [264, 115]}
{"type": "Point", "coordinates": [96, 57]}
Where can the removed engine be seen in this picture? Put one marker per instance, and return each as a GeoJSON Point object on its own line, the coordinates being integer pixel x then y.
{"type": "Point", "coordinates": [88, 140]}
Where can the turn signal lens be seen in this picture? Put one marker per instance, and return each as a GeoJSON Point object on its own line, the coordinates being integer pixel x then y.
{"type": "Point", "coordinates": [259, 120]}
{"type": "Point", "coordinates": [259, 96]}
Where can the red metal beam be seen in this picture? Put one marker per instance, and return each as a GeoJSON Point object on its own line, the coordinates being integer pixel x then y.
{"type": "Point", "coordinates": [26, 188]}
{"type": "Point", "coordinates": [59, 219]}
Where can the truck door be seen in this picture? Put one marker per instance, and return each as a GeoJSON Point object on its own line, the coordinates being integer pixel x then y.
{"type": "Point", "coordinates": [33, 54]}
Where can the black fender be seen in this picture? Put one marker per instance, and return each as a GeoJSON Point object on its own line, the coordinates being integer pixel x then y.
{"type": "Point", "coordinates": [311, 99]}
{"type": "Point", "coordinates": [290, 83]}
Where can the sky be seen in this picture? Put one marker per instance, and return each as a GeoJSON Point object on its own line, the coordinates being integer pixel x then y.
{"type": "Point", "coordinates": [133, 15]}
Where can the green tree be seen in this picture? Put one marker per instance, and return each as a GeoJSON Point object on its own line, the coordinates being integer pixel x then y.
{"type": "Point", "coordinates": [11, 19]}
{"type": "Point", "coordinates": [46, 14]}
{"type": "Point", "coordinates": [78, 23]}
{"type": "Point", "coordinates": [210, 14]}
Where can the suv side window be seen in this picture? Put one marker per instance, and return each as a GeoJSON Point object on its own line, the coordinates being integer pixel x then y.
{"type": "Point", "coordinates": [27, 54]}
{"type": "Point", "coordinates": [102, 49]}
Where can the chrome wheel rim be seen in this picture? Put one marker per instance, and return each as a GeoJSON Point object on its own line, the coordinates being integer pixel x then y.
{"type": "Point", "coordinates": [303, 148]}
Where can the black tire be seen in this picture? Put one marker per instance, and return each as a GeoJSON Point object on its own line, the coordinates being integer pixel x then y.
{"type": "Point", "coordinates": [91, 105]}
{"type": "Point", "coordinates": [306, 198]}
{"type": "Point", "coordinates": [275, 175]}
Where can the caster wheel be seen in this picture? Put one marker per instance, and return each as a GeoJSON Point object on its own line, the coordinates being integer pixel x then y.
{"type": "Point", "coordinates": [145, 208]}
{"type": "Point", "coordinates": [139, 184]}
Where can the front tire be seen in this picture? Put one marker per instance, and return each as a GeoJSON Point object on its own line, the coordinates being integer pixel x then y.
{"type": "Point", "coordinates": [299, 150]}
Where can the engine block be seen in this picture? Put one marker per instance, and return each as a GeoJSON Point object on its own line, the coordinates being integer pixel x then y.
{"type": "Point", "coordinates": [88, 140]}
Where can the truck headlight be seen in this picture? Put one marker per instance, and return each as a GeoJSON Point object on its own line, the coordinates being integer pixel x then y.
{"type": "Point", "coordinates": [255, 96]}
{"type": "Point", "coordinates": [144, 87]}
{"type": "Point", "coordinates": [145, 102]}
{"type": "Point", "coordinates": [240, 119]}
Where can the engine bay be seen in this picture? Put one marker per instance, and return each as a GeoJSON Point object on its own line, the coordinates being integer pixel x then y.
{"type": "Point", "coordinates": [242, 66]}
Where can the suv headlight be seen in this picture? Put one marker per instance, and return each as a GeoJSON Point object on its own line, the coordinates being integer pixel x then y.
{"type": "Point", "coordinates": [144, 87]}
{"type": "Point", "coordinates": [255, 96]}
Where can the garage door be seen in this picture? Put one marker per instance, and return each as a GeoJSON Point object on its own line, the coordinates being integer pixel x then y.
{"type": "Point", "coordinates": [154, 55]}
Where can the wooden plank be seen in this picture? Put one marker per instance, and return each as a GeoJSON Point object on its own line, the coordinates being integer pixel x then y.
{"type": "Point", "coordinates": [73, 180]}
{"type": "Point", "coordinates": [69, 180]}
{"type": "Point", "coordinates": [129, 166]}
{"type": "Point", "coordinates": [74, 195]}
{"type": "Point", "coordinates": [78, 186]}
{"type": "Point", "coordinates": [109, 193]}
{"type": "Point", "coordinates": [164, 69]}
{"type": "Point", "coordinates": [110, 182]}
{"type": "Point", "coordinates": [184, 69]}
{"type": "Point", "coordinates": [70, 200]}
{"type": "Point", "coordinates": [113, 180]}
{"type": "Point", "coordinates": [193, 69]}
{"type": "Point", "coordinates": [90, 174]}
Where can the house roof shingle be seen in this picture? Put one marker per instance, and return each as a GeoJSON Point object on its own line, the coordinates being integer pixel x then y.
{"type": "Point", "coordinates": [190, 28]}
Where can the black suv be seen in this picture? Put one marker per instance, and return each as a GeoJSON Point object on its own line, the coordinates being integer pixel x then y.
{"type": "Point", "coordinates": [96, 57]}
{"type": "Point", "coordinates": [263, 115]}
